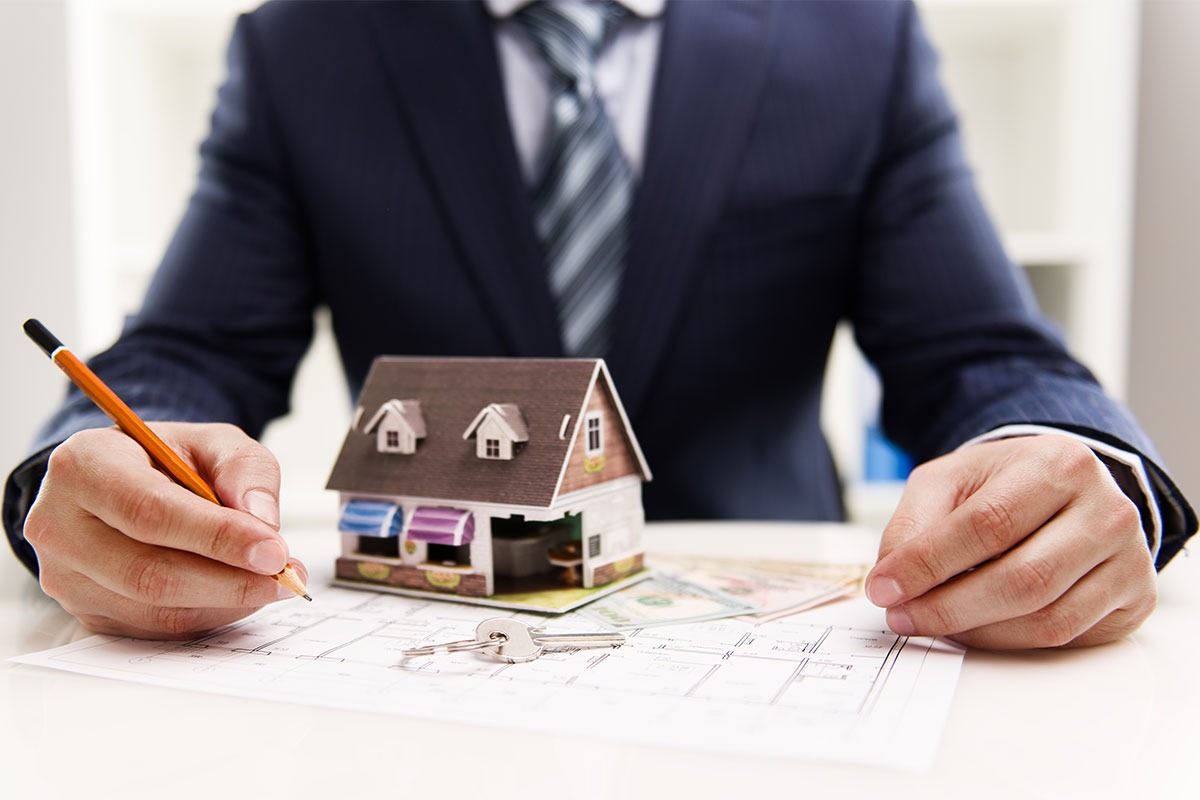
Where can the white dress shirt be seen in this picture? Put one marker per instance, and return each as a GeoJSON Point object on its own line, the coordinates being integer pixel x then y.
{"type": "Point", "coordinates": [624, 79]}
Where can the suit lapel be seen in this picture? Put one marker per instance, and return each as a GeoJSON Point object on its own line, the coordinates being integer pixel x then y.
{"type": "Point", "coordinates": [712, 66]}
{"type": "Point", "coordinates": [442, 62]}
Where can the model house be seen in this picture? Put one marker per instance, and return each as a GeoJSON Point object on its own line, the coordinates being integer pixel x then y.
{"type": "Point", "coordinates": [483, 476]}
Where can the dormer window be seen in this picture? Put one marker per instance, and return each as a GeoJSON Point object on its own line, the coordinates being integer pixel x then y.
{"type": "Point", "coordinates": [398, 426]}
{"type": "Point", "coordinates": [499, 431]}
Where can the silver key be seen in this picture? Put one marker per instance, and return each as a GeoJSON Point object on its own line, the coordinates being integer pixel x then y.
{"type": "Point", "coordinates": [446, 648]}
{"type": "Point", "coordinates": [517, 642]}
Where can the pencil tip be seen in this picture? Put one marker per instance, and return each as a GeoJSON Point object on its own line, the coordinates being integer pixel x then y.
{"type": "Point", "coordinates": [307, 597]}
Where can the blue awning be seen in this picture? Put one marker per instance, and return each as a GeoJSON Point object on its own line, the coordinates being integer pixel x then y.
{"type": "Point", "coordinates": [371, 518]}
{"type": "Point", "coordinates": [442, 525]}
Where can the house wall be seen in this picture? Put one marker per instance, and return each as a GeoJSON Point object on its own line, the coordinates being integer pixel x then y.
{"type": "Point", "coordinates": [618, 518]}
{"type": "Point", "coordinates": [404, 571]}
{"type": "Point", "coordinates": [619, 459]}
{"type": "Point", "coordinates": [613, 513]}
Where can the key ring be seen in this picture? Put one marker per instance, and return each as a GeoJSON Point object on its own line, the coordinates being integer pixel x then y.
{"type": "Point", "coordinates": [461, 646]}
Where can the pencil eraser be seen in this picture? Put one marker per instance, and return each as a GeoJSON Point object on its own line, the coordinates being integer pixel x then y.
{"type": "Point", "coordinates": [41, 336]}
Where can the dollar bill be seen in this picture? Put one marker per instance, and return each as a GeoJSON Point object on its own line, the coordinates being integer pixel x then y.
{"type": "Point", "coordinates": [778, 588]}
{"type": "Point", "coordinates": [664, 600]}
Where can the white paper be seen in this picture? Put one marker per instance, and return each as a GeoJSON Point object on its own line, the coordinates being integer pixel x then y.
{"type": "Point", "coordinates": [830, 684]}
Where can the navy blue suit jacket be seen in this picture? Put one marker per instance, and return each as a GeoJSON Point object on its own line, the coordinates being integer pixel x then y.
{"type": "Point", "coordinates": [802, 166]}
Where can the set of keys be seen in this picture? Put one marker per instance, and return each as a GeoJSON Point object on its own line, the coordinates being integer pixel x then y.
{"type": "Point", "coordinates": [516, 642]}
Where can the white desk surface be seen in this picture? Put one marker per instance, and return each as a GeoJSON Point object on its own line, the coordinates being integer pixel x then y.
{"type": "Point", "coordinates": [1121, 720]}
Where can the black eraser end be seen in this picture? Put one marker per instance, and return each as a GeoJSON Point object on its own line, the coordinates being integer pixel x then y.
{"type": "Point", "coordinates": [42, 336]}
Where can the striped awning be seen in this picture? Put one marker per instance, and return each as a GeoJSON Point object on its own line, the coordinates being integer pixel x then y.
{"type": "Point", "coordinates": [442, 525]}
{"type": "Point", "coordinates": [371, 518]}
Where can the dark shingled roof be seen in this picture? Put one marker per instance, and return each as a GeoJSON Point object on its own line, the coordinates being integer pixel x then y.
{"type": "Point", "coordinates": [452, 392]}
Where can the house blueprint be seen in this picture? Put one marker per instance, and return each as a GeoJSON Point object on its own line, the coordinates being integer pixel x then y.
{"type": "Point", "coordinates": [830, 684]}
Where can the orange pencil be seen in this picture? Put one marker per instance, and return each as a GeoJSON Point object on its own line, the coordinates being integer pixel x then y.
{"type": "Point", "coordinates": [129, 422]}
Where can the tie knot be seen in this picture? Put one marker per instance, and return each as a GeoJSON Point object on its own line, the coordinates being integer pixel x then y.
{"type": "Point", "coordinates": [570, 34]}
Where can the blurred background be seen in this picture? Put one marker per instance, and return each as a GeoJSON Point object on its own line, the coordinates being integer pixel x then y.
{"type": "Point", "coordinates": [1081, 118]}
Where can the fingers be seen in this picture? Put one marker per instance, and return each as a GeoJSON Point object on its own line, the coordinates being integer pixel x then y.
{"type": "Point", "coordinates": [108, 476]}
{"type": "Point", "coordinates": [1088, 614]}
{"type": "Point", "coordinates": [1032, 577]}
{"type": "Point", "coordinates": [128, 551]}
{"type": "Point", "coordinates": [103, 611]}
{"type": "Point", "coordinates": [1020, 543]}
{"type": "Point", "coordinates": [154, 575]}
{"type": "Point", "coordinates": [971, 506]}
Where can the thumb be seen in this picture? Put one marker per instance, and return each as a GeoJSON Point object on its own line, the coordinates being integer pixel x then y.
{"type": "Point", "coordinates": [243, 473]}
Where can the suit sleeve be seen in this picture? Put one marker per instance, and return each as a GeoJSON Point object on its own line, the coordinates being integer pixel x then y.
{"type": "Point", "coordinates": [228, 314]}
{"type": "Point", "coordinates": [946, 318]}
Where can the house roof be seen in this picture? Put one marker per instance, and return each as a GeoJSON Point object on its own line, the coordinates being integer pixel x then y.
{"type": "Point", "coordinates": [452, 393]}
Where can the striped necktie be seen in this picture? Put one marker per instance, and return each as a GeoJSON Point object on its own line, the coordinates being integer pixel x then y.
{"type": "Point", "coordinates": [583, 186]}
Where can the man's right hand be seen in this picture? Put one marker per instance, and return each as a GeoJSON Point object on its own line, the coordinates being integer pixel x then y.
{"type": "Point", "coordinates": [129, 552]}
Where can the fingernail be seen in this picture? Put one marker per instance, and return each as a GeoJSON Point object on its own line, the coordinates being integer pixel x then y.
{"type": "Point", "coordinates": [267, 557]}
{"type": "Point", "coordinates": [898, 621]}
{"type": "Point", "coordinates": [884, 592]}
{"type": "Point", "coordinates": [263, 505]}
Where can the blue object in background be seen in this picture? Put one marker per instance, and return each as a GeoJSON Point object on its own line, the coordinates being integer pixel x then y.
{"type": "Point", "coordinates": [883, 460]}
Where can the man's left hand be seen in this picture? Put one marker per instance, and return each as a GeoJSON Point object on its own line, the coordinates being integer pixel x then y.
{"type": "Point", "coordinates": [1017, 543]}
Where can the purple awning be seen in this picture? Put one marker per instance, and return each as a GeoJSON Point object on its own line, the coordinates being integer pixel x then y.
{"type": "Point", "coordinates": [442, 525]}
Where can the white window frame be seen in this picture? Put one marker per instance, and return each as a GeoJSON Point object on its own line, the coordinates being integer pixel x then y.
{"type": "Point", "coordinates": [588, 429]}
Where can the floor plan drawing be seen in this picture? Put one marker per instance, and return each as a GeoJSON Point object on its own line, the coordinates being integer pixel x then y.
{"type": "Point", "coordinates": [831, 683]}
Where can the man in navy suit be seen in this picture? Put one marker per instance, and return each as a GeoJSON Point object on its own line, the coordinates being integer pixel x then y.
{"type": "Point", "coordinates": [795, 164]}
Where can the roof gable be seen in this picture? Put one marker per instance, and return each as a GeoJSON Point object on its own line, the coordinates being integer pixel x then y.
{"type": "Point", "coordinates": [407, 411]}
{"type": "Point", "coordinates": [507, 415]}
